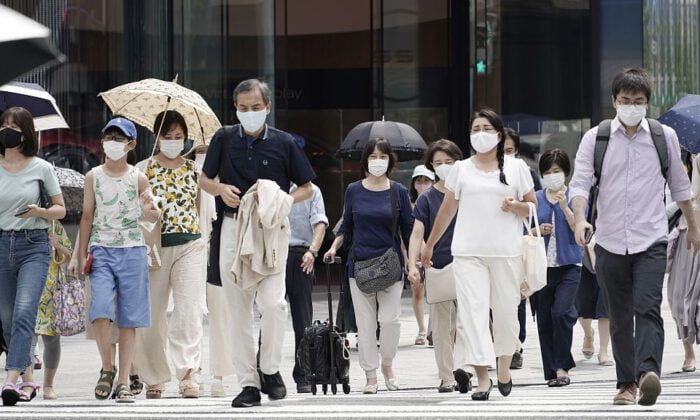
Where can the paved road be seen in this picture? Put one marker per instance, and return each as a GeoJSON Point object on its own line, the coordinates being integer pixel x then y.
{"type": "Point", "coordinates": [589, 396]}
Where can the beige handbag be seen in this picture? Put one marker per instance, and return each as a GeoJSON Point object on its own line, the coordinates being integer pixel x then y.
{"type": "Point", "coordinates": [534, 257]}
{"type": "Point", "coordinates": [440, 284]}
{"type": "Point", "coordinates": [151, 236]}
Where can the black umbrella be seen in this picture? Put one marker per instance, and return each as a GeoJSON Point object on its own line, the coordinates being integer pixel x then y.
{"type": "Point", "coordinates": [24, 45]}
{"type": "Point", "coordinates": [404, 140]}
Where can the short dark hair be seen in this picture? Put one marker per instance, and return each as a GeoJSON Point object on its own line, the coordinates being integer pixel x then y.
{"type": "Point", "coordinates": [25, 121]}
{"type": "Point", "coordinates": [168, 119]}
{"type": "Point", "coordinates": [251, 85]}
{"type": "Point", "coordinates": [634, 80]}
{"type": "Point", "coordinates": [513, 135]}
{"type": "Point", "coordinates": [443, 145]}
{"type": "Point", "coordinates": [384, 146]}
{"type": "Point", "coordinates": [555, 157]}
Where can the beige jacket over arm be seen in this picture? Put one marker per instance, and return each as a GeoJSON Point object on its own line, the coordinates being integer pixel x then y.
{"type": "Point", "coordinates": [263, 234]}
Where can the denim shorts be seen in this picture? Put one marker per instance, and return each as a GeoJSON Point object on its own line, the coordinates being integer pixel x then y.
{"type": "Point", "coordinates": [119, 286]}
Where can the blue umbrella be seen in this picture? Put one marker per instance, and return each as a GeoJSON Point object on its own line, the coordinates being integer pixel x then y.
{"type": "Point", "coordinates": [34, 99]}
{"type": "Point", "coordinates": [684, 117]}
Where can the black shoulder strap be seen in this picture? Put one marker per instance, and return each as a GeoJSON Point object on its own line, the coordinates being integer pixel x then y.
{"type": "Point", "coordinates": [394, 215]}
{"type": "Point", "coordinates": [601, 146]}
{"type": "Point", "coordinates": [657, 134]}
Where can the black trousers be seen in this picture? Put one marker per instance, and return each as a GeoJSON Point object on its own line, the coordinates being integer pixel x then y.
{"type": "Point", "coordinates": [632, 286]}
{"type": "Point", "coordinates": [556, 317]}
{"type": "Point", "coordinates": [522, 317]}
{"type": "Point", "coordinates": [299, 287]}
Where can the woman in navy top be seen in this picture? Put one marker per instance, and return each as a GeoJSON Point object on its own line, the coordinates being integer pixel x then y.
{"type": "Point", "coordinates": [367, 225]}
{"type": "Point", "coordinates": [440, 157]}
{"type": "Point", "coordinates": [556, 311]}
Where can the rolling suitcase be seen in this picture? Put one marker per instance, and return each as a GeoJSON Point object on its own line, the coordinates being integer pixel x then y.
{"type": "Point", "coordinates": [323, 351]}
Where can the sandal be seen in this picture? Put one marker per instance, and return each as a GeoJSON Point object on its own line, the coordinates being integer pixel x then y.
{"type": "Point", "coordinates": [124, 394]}
{"type": "Point", "coordinates": [421, 339]}
{"type": "Point", "coordinates": [105, 383]}
{"type": "Point", "coordinates": [135, 384]}
{"type": "Point", "coordinates": [154, 392]}
{"type": "Point", "coordinates": [10, 395]}
{"type": "Point", "coordinates": [189, 388]}
{"type": "Point", "coordinates": [25, 396]}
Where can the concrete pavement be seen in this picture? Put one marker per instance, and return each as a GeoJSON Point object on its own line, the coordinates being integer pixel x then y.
{"type": "Point", "coordinates": [590, 394]}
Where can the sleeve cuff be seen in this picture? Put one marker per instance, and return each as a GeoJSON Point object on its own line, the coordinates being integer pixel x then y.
{"type": "Point", "coordinates": [576, 192]}
{"type": "Point", "coordinates": [683, 195]}
{"type": "Point", "coordinates": [318, 218]}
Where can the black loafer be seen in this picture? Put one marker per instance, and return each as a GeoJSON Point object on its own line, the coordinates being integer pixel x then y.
{"type": "Point", "coordinates": [563, 381]}
{"type": "Point", "coordinates": [464, 380]}
{"type": "Point", "coordinates": [553, 383]}
{"type": "Point", "coordinates": [481, 395]}
{"type": "Point", "coordinates": [249, 397]}
{"type": "Point", "coordinates": [273, 386]}
{"type": "Point", "coordinates": [505, 388]}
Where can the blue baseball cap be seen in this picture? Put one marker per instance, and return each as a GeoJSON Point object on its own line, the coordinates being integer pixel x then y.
{"type": "Point", "coordinates": [125, 126]}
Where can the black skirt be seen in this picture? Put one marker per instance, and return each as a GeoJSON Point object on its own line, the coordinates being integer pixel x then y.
{"type": "Point", "coordinates": [590, 303]}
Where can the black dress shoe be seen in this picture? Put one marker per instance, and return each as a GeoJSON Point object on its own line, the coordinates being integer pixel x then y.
{"type": "Point", "coordinates": [273, 386]}
{"type": "Point", "coordinates": [303, 389]}
{"type": "Point", "coordinates": [483, 395]}
{"type": "Point", "coordinates": [505, 388]}
{"type": "Point", "coordinates": [464, 380]}
{"type": "Point", "coordinates": [249, 397]}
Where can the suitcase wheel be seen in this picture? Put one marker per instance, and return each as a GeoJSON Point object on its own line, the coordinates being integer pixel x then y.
{"type": "Point", "coordinates": [346, 388]}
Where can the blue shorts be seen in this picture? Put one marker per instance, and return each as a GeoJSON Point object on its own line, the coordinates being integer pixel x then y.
{"type": "Point", "coordinates": [119, 286]}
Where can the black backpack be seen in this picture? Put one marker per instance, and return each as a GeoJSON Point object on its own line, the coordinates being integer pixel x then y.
{"type": "Point", "coordinates": [601, 146]}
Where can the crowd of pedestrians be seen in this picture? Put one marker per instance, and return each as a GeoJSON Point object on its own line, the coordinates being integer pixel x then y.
{"type": "Point", "coordinates": [240, 225]}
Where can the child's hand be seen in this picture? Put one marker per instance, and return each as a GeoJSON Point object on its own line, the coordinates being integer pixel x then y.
{"type": "Point", "coordinates": [74, 268]}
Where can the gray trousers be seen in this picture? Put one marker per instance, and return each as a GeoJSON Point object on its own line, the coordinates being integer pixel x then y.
{"type": "Point", "coordinates": [632, 287]}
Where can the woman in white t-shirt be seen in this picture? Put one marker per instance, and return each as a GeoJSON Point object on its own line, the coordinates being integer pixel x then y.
{"type": "Point", "coordinates": [488, 194]}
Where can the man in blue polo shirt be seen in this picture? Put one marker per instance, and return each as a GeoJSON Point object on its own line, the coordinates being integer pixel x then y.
{"type": "Point", "coordinates": [239, 156]}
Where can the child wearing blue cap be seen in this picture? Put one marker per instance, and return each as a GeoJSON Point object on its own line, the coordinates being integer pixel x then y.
{"type": "Point", "coordinates": [117, 195]}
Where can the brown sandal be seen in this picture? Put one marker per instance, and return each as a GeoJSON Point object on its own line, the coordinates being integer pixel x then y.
{"type": "Point", "coordinates": [154, 392]}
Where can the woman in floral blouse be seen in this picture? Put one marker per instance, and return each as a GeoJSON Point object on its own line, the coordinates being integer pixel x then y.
{"type": "Point", "coordinates": [173, 179]}
{"type": "Point", "coordinates": [62, 250]}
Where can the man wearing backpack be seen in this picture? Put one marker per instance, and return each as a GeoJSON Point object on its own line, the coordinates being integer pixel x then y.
{"type": "Point", "coordinates": [623, 165]}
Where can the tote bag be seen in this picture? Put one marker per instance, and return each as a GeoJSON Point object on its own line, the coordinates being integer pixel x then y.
{"type": "Point", "coordinates": [440, 284]}
{"type": "Point", "coordinates": [534, 257]}
{"type": "Point", "coordinates": [68, 302]}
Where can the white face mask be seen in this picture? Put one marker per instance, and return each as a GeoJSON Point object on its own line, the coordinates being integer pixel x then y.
{"type": "Point", "coordinates": [631, 115]}
{"type": "Point", "coordinates": [443, 171]}
{"type": "Point", "coordinates": [114, 149]}
{"type": "Point", "coordinates": [554, 181]}
{"type": "Point", "coordinates": [484, 142]}
{"type": "Point", "coordinates": [199, 158]}
{"type": "Point", "coordinates": [377, 167]}
{"type": "Point", "coordinates": [172, 148]}
{"type": "Point", "coordinates": [252, 121]}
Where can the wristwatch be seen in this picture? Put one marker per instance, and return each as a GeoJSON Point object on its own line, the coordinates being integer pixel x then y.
{"type": "Point", "coordinates": [312, 252]}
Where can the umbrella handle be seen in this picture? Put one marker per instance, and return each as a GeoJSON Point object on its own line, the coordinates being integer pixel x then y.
{"type": "Point", "coordinates": [160, 129]}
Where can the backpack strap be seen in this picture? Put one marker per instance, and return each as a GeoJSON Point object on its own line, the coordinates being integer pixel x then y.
{"type": "Point", "coordinates": [601, 146]}
{"type": "Point", "coordinates": [657, 134]}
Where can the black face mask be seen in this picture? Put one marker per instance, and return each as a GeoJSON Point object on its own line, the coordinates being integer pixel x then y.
{"type": "Point", "coordinates": [10, 138]}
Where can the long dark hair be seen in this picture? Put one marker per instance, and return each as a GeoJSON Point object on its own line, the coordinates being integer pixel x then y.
{"type": "Point", "coordinates": [495, 120]}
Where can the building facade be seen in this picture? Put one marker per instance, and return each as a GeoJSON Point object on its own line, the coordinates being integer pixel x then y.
{"type": "Point", "coordinates": [545, 65]}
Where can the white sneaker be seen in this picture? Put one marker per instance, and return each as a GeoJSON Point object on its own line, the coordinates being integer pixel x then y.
{"type": "Point", "coordinates": [370, 389]}
{"type": "Point", "coordinates": [217, 389]}
{"type": "Point", "coordinates": [392, 384]}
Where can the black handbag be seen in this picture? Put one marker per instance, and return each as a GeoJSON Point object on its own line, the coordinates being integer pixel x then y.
{"type": "Point", "coordinates": [378, 273]}
{"type": "Point", "coordinates": [44, 200]}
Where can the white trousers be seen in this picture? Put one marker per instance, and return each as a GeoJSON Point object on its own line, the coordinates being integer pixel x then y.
{"type": "Point", "coordinates": [269, 295]}
{"type": "Point", "coordinates": [366, 315]}
{"type": "Point", "coordinates": [485, 283]}
{"type": "Point", "coordinates": [220, 339]}
{"type": "Point", "coordinates": [443, 316]}
{"type": "Point", "coordinates": [180, 273]}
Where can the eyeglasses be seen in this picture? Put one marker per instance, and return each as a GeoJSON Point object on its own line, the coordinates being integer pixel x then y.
{"type": "Point", "coordinates": [639, 103]}
{"type": "Point", "coordinates": [120, 139]}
